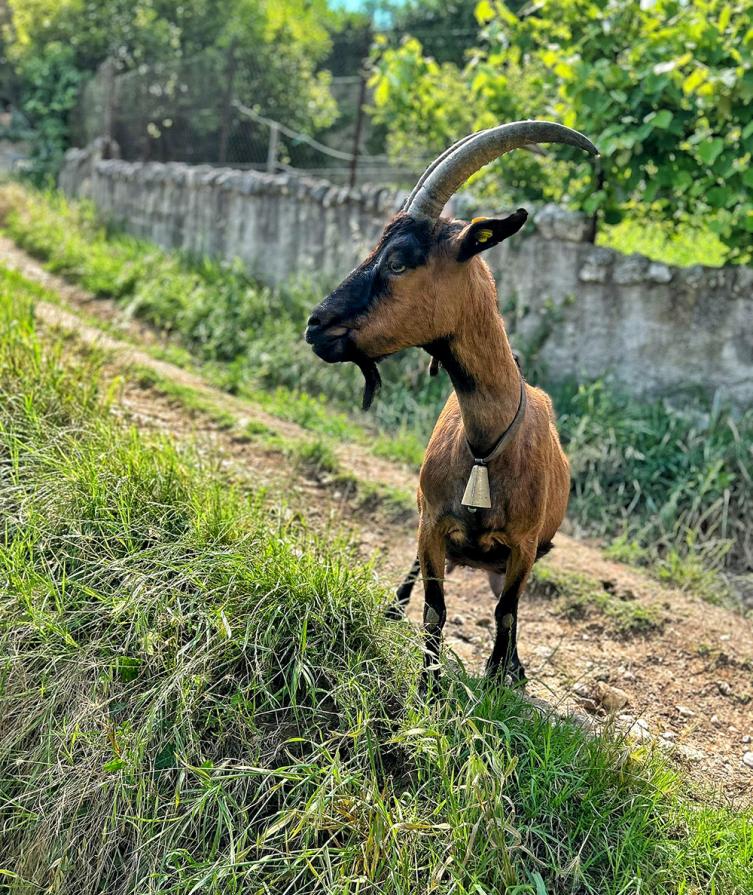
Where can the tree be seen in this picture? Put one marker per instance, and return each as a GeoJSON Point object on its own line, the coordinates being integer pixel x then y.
{"type": "Point", "coordinates": [664, 88]}
{"type": "Point", "coordinates": [447, 29]}
{"type": "Point", "coordinates": [426, 105]}
{"type": "Point", "coordinates": [276, 47]}
{"type": "Point", "coordinates": [666, 91]}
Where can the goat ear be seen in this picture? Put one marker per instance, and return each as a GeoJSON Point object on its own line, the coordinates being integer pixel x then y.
{"type": "Point", "coordinates": [483, 233]}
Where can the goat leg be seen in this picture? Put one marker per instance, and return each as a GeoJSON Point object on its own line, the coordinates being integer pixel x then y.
{"type": "Point", "coordinates": [431, 555]}
{"type": "Point", "coordinates": [402, 595]}
{"type": "Point", "coordinates": [504, 659]}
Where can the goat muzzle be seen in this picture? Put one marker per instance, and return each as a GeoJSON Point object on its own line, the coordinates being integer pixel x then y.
{"type": "Point", "coordinates": [334, 345]}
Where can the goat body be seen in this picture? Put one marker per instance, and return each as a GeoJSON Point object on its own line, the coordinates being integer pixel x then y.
{"type": "Point", "coordinates": [426, 285]}
{"type": "Point", "coordinates": [529, 485]}
{"type": "Point", "coordinates": [414, 290]}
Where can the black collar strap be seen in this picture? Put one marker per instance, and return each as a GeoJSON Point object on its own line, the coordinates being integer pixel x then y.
{"type": "Point", "coordinates": [505, 438]}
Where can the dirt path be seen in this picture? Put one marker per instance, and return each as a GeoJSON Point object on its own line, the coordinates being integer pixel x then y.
{"type": "Point", "coordinates": [686, 680]}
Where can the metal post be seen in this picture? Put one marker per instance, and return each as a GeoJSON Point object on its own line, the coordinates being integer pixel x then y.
{"type": "Point", "coordinates": [274, 140]}
{"type": "Point", "coordinates": [359, 128]}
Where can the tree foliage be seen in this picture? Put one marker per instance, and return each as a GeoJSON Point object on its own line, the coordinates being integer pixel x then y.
{"type": "Point", "coordinates": [665, 89]}
{"type": "Point", "coordinates": [277, 46]}
{"type": "Point", "coordinates": [52, 84]}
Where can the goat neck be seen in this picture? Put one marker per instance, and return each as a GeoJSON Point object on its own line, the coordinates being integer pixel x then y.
{"type": "Point", "coordinates": [480, 362]}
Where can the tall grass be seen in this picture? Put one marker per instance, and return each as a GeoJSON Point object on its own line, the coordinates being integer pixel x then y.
{"type": "Point", "coordinates": [198, 697]}
{"type": "Point", "coordinates": [670, 481]}
{"type": "Point", "coordinates": [662, 482]}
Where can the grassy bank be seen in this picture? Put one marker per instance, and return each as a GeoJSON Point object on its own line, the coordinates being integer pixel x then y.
{"type": "Point", "coordinates": [196, 696]}
{"type": "Point", "coordinates": [665, 486]}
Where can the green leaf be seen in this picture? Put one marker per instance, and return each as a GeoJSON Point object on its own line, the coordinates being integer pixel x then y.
{"type": "Point", "coordinates": [709, 150]}
{"type": "Point", "coordinates": [115, 764]}
{"type": "Point", "coordinates": [662, 119]}
{"type": "Point", "coordinates": [694, 80]}
{"type": "Point", "coordinates": [718, 196]}
{"type": "Point", "coordinates": [484, 12]}
{"type": "Point", "coordinates": [127, 668]}
{"type": "Point", "coordinates": [382, 92]}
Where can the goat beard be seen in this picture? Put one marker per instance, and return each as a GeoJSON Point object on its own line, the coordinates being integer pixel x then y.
{"type": "Point", "coordinates": [372, 379]}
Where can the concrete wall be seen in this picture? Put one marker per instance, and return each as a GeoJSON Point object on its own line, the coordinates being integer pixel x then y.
{"type": "Point", "coordinates": [656, 329]}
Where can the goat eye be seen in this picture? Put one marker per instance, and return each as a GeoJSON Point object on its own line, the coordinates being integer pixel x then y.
{"type": "Point", "coordinates": [395, 266]}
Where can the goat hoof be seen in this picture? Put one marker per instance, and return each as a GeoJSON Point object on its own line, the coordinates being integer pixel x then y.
{"type": "Point", "coordinates": [395, 612]}
{"type": "Point", "coordinates": [428, 687]}
{"type": "Point", "coordinates": [515, 673]}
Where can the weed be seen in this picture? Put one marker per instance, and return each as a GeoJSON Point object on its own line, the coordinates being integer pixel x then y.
{"type": "Point", "coordinates": [399, 504]}
{"type": "Point", "coordinates": [316, 456]}
{"type": "Point", "coordinates": [578, 596]}
{"type": "Point", "coordinates": [254, 427]}
{"type": "Point", "coordinates": [404, 446]}
{"type": "Point", "coordinates": [691, 573]}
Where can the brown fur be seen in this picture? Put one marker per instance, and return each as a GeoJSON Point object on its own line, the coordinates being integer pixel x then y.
{"type": "Point", "coordinates": [456, 302]}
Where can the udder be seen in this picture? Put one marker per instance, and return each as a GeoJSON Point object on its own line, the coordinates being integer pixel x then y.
{"type": "Point", "coordinates": [483, 550]}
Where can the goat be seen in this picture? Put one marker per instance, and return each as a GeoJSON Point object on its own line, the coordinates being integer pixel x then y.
{"type": "Point", "coordinates": [494, 483]}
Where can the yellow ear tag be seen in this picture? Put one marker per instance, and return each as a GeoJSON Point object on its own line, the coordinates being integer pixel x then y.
{"type": "Point", "coordinates": [484, 235]}
{"type": "Point", "coordinates": [478, 220]}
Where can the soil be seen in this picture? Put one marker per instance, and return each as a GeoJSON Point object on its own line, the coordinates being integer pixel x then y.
{"type": "Point", "coordinates": [684, 686]}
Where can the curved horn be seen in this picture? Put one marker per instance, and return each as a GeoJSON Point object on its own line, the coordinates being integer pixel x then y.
{"type": "Point", "coordinates": [438, 160]}
{"type": "Point", "coordinates": [455, 166]}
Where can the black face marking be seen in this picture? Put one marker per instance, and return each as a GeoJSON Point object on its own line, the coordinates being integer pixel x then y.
{"type": "Point", "coordinates": [462, 380]}
{"type": "Point", "coordinates": [405, 242]}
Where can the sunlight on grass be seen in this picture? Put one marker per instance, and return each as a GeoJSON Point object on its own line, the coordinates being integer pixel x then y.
{"type": "Point", "coordinates": [678, 245]}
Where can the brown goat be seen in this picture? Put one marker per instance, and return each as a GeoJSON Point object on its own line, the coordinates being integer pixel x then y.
{"type": "Point", "coordinates": [426, 285]}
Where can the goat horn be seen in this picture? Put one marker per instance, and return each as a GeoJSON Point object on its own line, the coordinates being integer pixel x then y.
{"type": "Point", "coordinates": [437, 161]}
{"type": "Point", "coordinates": [445, 176]}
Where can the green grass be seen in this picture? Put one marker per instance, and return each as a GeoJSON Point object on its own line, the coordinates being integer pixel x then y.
{"type": "Point", "coordinates": [579, 596]}
{"type": "Point", "coordinates": [197, 696]}
{"type": "Point", "coordinates": [318, 456]}
{"type": "Point", "coordinates": [315, 456]}
{"type": "Point", "coordinates": [674, 244]}
{"type": "Point", "coordinates": [674, 482]}
{"type": "Point", "coordinates": [662, 478]}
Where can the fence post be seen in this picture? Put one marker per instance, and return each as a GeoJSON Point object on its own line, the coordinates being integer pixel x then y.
{"type": "Point", "coordinates": [108, 80]}
{"type": "Point", "coordinates": [359, 128]}
{"type": "Point", "coordinates": [274, 140]}
{"type": "Point", "coordinates": [227, 99]}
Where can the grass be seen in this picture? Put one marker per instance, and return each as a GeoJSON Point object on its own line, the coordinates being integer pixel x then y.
{"type": "Point", "coordinates": [664, 479]}
{"type": "Point", "coordinates": [674, 482]}
{"type": "Point", "coordinates": [197, 696]}
{"type": "Point", "coordinates": [582, 596]}
{"type": "Point", "coordinates": [674, 244]}
{"type": "Point", "coordinates": [318, 456]}
{"type": "Point", "coordinates": [315, 456]}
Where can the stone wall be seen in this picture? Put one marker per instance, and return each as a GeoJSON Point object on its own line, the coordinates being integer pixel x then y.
{"type": "Point", "coordinates": [656, 329]}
